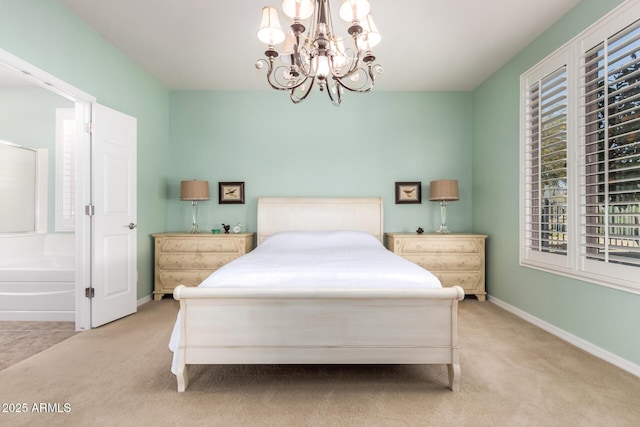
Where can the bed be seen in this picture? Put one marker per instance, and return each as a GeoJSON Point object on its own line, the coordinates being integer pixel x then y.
{"type": "Point", "coordinates": [382, 320]}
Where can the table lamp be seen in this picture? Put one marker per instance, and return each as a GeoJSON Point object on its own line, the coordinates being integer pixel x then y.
{"type": "Point", "coordinates": [443, 191]}
{"type": "Point", "coordinates": [194, 191]}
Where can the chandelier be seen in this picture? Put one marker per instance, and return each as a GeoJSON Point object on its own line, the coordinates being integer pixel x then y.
{"type": "Point", "coordinates": [319, 56]}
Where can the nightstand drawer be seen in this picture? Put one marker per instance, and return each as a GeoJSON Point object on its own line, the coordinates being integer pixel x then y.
{"type": "Point", "coordinates": [170, 279]}
{"type": "Point", "coordinates": [447, 261]}
{"type": "Point", "coordinates": [199, 245]}
{"type": "Point", "coordinates": [411, 246]}
{"type": "Point", "coordinates": [468, 281]}
{"type": "Point", "coordinates": [194, 261]}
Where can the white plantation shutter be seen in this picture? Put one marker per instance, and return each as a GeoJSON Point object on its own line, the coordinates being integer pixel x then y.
{"type": "Point", "coordinates": [610, 150]}
{"type": "Point", "coordinates": [545, 171]}
{"type": "Point", "coordinates": [65, 169]}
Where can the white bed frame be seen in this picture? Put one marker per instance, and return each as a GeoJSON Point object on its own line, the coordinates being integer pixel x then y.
{"type": "Point", "coordinates": [318, 326]}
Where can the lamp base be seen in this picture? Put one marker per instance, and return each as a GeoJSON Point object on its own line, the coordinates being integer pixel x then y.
{"type": "Point", "coordinates": [194, 216]}
{"type": "Point", "coordinates": [443, 219]}
{"type": "Point", "coordinates": [443, 230]}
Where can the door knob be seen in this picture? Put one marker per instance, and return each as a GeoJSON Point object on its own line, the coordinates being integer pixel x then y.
{"type": "Point", "coordinates": [131, 226]}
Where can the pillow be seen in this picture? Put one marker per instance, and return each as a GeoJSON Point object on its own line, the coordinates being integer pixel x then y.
{"type": "Point", "coordinates": [305, 240]}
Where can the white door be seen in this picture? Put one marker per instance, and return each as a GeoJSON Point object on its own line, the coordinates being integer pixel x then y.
{"type": "Point", "coordinates": [114, 231]}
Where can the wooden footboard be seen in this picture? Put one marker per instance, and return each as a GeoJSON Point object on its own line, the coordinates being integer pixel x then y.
{"type": "Point", "coordinates": [319, 326]}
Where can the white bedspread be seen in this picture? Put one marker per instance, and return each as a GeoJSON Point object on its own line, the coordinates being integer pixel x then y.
{"type": "Point", "coordinates": [336, 260]}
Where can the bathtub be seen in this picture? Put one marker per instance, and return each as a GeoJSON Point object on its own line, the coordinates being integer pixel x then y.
{"type": "Point", "coordinates": [37, 288]}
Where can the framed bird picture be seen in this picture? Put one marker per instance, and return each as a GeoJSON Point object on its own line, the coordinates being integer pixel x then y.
{"type": "Point", "coordinates": [408, 192]}
{"type": "Point", "coordinates": [231, 192]}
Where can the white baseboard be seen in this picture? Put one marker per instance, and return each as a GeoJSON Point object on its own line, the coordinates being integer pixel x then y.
{"type": "Point", "coordinates": [585, 345]}
{"type": "Point", "coordinates": [145, 300]}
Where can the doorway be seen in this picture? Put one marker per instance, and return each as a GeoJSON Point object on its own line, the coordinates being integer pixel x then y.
{"type": "Point", "coordinates": [101, 252]}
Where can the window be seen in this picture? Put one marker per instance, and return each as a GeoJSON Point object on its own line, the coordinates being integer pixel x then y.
{"type": "Point", "coordinates": [65, 169]}
{"type": "Point", "coordinates": [580, 155]}
{"type": "Point", "coordinates": [610, 147]}
{"type": "Point", "coordinates": [546, 167]}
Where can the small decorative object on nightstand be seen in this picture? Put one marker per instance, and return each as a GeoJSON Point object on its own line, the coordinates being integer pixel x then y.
{"type": "Point", "coordinates": [420, 230]}
{"type": "Point", "coordinates": [456, 259]}
{"type": "Point", "coordinates": [443, 191]}
{"type": "Point", "coordinates": [187, 259]}
{"type": "Point", "coordinates": [226, 228]}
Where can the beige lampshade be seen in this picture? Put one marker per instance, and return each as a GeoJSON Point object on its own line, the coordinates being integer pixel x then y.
{"type": "Point", "coordinates": [194, 190]}
{"type": "Point", "coordinates": [444, 189]}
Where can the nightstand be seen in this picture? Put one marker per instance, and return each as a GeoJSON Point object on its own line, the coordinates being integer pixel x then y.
{"type": "Point", "coordinates": [456, 259]}
{"type": "Point", "coordinates": [187, 259]}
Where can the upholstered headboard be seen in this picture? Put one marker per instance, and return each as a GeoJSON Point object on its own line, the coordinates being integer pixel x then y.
{"type": "Point", "coordinates": [277, 214]}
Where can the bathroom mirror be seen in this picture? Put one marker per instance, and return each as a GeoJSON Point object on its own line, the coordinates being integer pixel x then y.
{"type": "Point", "coordinates": [28, 116]}
{"type": "Point", "coordinates": [17, 188]}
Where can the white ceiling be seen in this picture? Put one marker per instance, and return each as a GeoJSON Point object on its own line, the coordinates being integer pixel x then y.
{"type": "Point", "coordinates": [426, 44]}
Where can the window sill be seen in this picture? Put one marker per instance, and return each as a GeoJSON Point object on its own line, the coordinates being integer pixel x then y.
{"type": "Point", "coordinates": [585, 276]}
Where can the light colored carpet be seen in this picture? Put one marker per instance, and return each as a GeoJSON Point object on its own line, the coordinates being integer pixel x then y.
{"type": "Point", "coordinates": [21, 340]}
{"type": "Point", "coordinates": [513, 374]}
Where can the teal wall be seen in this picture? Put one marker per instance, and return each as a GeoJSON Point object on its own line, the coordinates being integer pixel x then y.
{"type": "Point", "coordinates": [315, 149]}
{"type": "Point", "coordinates": [606, 317]}
{"type": "Point", "coordinates": [28, 118]}
{"type": "Point", "coordinates": [47, 35]}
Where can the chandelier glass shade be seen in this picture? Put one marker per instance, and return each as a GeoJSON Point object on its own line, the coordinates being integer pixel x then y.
{"type": "Point", "coordinates": [317, 55]}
